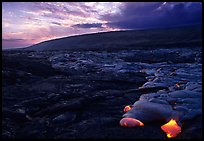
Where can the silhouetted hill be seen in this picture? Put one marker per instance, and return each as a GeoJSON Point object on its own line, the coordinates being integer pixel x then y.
{"type": "Point", "coordinates": [186, 36]}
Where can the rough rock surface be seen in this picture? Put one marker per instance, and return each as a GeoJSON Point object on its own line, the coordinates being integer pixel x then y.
{"type": "Point", "coordinates": [81, 94]}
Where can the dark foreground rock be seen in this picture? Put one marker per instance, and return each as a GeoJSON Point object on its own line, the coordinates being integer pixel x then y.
{"type": "Point", "coordinates": [82, 94]}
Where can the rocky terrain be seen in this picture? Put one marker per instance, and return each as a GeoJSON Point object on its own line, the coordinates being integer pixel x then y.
{"type": "Point", "coordinates": [81, 94]}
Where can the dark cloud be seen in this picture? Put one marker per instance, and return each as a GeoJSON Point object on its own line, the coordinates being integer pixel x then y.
{"type": "Point", "coordinates": [11, 40]}
{"type": "Point", "coordinates": [155, 14]}
{"type": "Point", "coordinates": [87, 25]}
{"type": "Point", "coordinates": [14, 43]}
{"type": "Point", "coordinates": [56, 23]}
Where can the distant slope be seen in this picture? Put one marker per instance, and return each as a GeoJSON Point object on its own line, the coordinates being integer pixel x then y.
{"type": "Point", "coordinates": [186, 36]}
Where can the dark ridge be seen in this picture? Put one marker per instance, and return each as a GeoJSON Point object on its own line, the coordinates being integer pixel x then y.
{"type": "Point", "coordinates": [186, 36]}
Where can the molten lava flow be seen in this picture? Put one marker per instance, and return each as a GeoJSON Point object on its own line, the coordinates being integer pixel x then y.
{"type": "Point", "coordinates": [127, 108]}
{"type": "Point", "coordinates": [130, 122]}
{"type": "Point", "coordinates": [171, 128]}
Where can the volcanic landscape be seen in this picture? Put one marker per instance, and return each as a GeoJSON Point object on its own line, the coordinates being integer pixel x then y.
{"type": "Point", "coordinates": [77, 87]}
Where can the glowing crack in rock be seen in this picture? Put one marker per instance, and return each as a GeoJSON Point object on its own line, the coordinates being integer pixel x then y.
{"type": "Point", "coordinates": [177, 85]}
{"type": "Point", "coordinates": [171, 128]}
{"type": "Point", "coordinates": [127, 108]}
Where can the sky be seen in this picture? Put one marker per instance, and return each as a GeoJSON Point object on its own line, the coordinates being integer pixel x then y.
{"type": "Point", "coordinates": [27, 23]}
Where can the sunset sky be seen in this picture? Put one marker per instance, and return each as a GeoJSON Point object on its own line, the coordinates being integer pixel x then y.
{"type": "Point", "coordinates": [27, 23]}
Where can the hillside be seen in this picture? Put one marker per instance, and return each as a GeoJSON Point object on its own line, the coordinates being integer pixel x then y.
{"type": "Point", "coordinates": [186, 36]}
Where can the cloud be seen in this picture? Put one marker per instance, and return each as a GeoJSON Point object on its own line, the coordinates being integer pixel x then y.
{"type": "Point", "coordinates": [88, 25]}
{"type": "Point", "coordinates": [47, 20]}
{"type": "Point", "coordinates": [56, 23]}
{"type": "Point", "coordinates": [11, 40]}
{"type": "Point", "coordinates": [59, 10]}
{"type": "Point", "coordinates": [14, 43]}
{"type": "Point", "coordinates": [155, 14]}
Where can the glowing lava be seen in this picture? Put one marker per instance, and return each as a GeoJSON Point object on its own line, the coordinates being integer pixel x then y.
{"type": "Point", "coordinates": [177, 85]}
{"type": "Point", "coordinates": [130, 122]}
{"type": "Point", "coordinates": [127, 108]}
{"type": "Point", "coordinates": [171, 128]}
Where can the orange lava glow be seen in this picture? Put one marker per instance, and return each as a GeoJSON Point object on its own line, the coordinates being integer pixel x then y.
{"type": "Point", "coordinates": [171, 128]}
{"type": "Point", "coordinates": [177, 85]}
{"type": "Point", "coordinates": [130, 122]}
{"type": "Point", "coordinates": [127, 108]}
